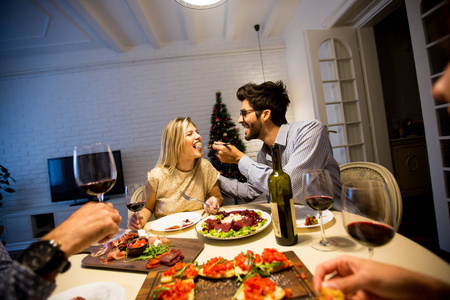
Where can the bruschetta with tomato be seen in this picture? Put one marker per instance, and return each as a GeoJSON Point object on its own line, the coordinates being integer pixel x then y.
{"type": "Point", "coordinates": [180, 271]}
{"type": "Point", "coordinates": [244, 262]}
{"type": "Point", "coordinates": [180, 290]}
{"type": "Point", "coordinates": [274, 260]}
{"type": "Point", "coordinates": [217, 267]}
{"type": "Point", "coordinates": [259, 288]}
{"type": "Point", "coordinates": [331, 294]}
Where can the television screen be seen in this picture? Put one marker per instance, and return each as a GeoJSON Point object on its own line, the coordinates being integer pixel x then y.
{"type": "Point", "coordinates": [62, 180]}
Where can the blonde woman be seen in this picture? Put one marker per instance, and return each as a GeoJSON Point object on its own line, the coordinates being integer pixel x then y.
{"type": "Point", "coordinates": [180, 167]}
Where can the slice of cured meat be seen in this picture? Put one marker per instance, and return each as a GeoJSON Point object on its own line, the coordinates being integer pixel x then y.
{"type": "Point", "coordinates": [172, 258]}
{"type": "Point", "coordinates": [115, 243]}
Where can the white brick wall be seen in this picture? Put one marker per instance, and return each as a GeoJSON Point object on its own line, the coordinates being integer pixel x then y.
{"type": "Point", "coordinates": [44, 116]}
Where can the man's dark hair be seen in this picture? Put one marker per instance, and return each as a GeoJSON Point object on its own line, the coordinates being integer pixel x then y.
{"type": "Point", "coordinates": [267, 95]}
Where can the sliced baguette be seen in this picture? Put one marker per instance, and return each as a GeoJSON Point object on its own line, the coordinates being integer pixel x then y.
{"type": "Point", "coordinates": [191, 293]}
{"type": "Point", "coordinates": [331, 294]}
{"type": "Point", "coordinates": [278, 294]}
{"type": "Point", "coordinates": [170, 278]}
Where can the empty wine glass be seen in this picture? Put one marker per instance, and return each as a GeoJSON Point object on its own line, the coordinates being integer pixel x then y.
{"type": "Point", "coordinates": [94, 169]}
{"type": "Point", "coordinates": [318, 194]}
{"type": "Point", "coordinates": [368, 213]}
{"type": "Point", "coordinates": [135, 197]}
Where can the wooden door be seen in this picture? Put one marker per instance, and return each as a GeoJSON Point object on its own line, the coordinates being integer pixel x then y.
{"type": "Point", "coordinates": [338, 88]}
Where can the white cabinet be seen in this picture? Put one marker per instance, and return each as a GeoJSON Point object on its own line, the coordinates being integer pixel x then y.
{"type": "Point", "coordinates": [23, 228]}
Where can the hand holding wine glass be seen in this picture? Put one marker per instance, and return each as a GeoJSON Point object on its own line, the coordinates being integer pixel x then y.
{"type": "Point", "coordinates": [135, 198]}
{"type": "Point", "coordinates": [94, 169]}
{"type": "Point", "coordinates": [368, 213]}
{"type": "Point", "coordinates": [318, 195]}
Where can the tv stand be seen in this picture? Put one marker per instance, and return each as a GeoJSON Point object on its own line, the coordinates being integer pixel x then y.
{"type": "Point", "coordinates": [26, 226]}
{"type": "Point", "coordinates": [76, 203]}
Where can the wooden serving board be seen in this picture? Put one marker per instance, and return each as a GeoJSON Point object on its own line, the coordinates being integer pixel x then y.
{"type": "Point", "coordinates": [224, 289]}
{"type": "Point", "coordinates": [191, 248]}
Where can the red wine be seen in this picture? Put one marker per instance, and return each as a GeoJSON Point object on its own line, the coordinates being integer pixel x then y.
{"type": "Point", "coordinates": [370, 234]}
{"type": "Point", "coordinates": [319, 203]}
{"type": "Point", "coordinates": [97, 187]}
{"type": "Point", "coordinates": [137, 206]}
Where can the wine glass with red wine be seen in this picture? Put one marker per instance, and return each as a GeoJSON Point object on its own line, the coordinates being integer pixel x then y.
{"type": "Point", "coordinates": [318, 194]}
{"type": "Point", "coordinates": [368, 213]}
{"type": "Point", "coordinates": [94, 169]}
{"type": "Point", "coordinates": [135, 197]}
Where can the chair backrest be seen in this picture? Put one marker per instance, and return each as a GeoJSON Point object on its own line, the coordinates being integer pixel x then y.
{"type": "Point", "coordinates": [362, 170]}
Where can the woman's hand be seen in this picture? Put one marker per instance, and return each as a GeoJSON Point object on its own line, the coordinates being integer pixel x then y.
{"type": "Point", "coordinates": [135, 222]}
{"type": "Point", "coordinates": [214, 205]}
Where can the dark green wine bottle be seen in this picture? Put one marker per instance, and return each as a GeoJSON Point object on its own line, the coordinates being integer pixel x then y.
{"type": "Point", "coordinates": [282, 202]}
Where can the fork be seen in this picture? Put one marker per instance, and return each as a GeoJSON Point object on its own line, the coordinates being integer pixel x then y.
{"type": "Point", "coordinates": [210, 146]}
{"type": "Point", "coordinates": [194, 199]}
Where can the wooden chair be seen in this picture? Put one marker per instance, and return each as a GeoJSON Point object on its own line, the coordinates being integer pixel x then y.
{"type": "Point", "coordinates": [362, 170]}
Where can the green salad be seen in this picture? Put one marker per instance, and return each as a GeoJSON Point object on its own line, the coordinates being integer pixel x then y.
{"type": "Point", "coordinates": [244, 230]}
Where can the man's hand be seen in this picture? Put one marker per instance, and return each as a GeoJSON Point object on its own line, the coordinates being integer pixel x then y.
{"type": "Point", "coordinates": [227, 153]}
{"type": "Point", "coordinates": [359, 278]}
{"type": "Point", "coordinates": [93, 222]}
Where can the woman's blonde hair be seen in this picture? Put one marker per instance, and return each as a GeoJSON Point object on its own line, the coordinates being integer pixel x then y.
{"type": "Point", "coordinates": [172, 142]}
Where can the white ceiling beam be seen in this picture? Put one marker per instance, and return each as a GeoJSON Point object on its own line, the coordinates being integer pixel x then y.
{"type": "Point", "coordinates": [278, 9]}
{"type": "Point", "coordinates": [145, 23]}
{"type": "Point", "coordinates": [272, 17]}
{"type": "Point", "coordinates": [189, 21]}
{"type": "Point", "coordinates": [230, 20]}
{"type": "Point", "coordinates": [103, 27]}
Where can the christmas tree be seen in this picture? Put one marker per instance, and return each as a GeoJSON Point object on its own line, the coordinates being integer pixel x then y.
{"type": "Point", "coordinates": [223, 129]}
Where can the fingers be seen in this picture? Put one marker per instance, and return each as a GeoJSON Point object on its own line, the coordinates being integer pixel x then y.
{"type": "Point", "coordinates": [207, 209]}
{"type": "Point", "coordinates": [221, 148]}
{"type": "Point", "coordinates": [116, 217]}
{"type": "Point", "coordinates": [342, 265]}
{"type": "Point", "coordinates": [214, 205]}
{"type": "Point", "coordinates": [135, 222]}
{"type": "Point", "coordinates": [348, 284]}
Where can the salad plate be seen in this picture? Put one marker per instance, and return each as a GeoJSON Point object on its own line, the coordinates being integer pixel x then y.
{"type": "Point", "coordinates": [242, 233]}
{"type": "Point", "coordinates": [301, 212]}
{"type": "Point", "coordinates": [176, 221]}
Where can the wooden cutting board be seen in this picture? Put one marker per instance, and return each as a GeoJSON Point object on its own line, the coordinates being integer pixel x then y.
{"type": "Point", "coordinates": [191, 248]}
{"type": "Point", "coordinates": [224, 289]}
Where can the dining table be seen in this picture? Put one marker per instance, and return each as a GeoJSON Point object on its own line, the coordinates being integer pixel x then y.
{"type": "Point", "coordinates": [400, 251]}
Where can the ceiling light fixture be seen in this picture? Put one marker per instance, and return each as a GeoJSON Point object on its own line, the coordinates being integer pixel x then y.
{"type": "Point", "coordinates": [260, 53]}
{"type": "Point", "coordinates": [201, 4]}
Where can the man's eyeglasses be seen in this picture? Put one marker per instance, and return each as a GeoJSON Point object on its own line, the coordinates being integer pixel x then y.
{"type": "Point", "coordinates": [244, 112]}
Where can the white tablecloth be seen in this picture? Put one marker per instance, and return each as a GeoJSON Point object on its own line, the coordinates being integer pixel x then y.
{"type": "Point", "coordinates": [401, 251]}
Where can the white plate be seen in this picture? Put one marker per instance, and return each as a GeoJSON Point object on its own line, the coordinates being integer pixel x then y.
{"type": "Point", "coordinates": [94, 291]}
{"type": "Point", "coordinates": [301, 212]}
{"type": "Point", "coordinates": [173, 220]}
{"type": "Point", "coordinates": [264, 215]}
